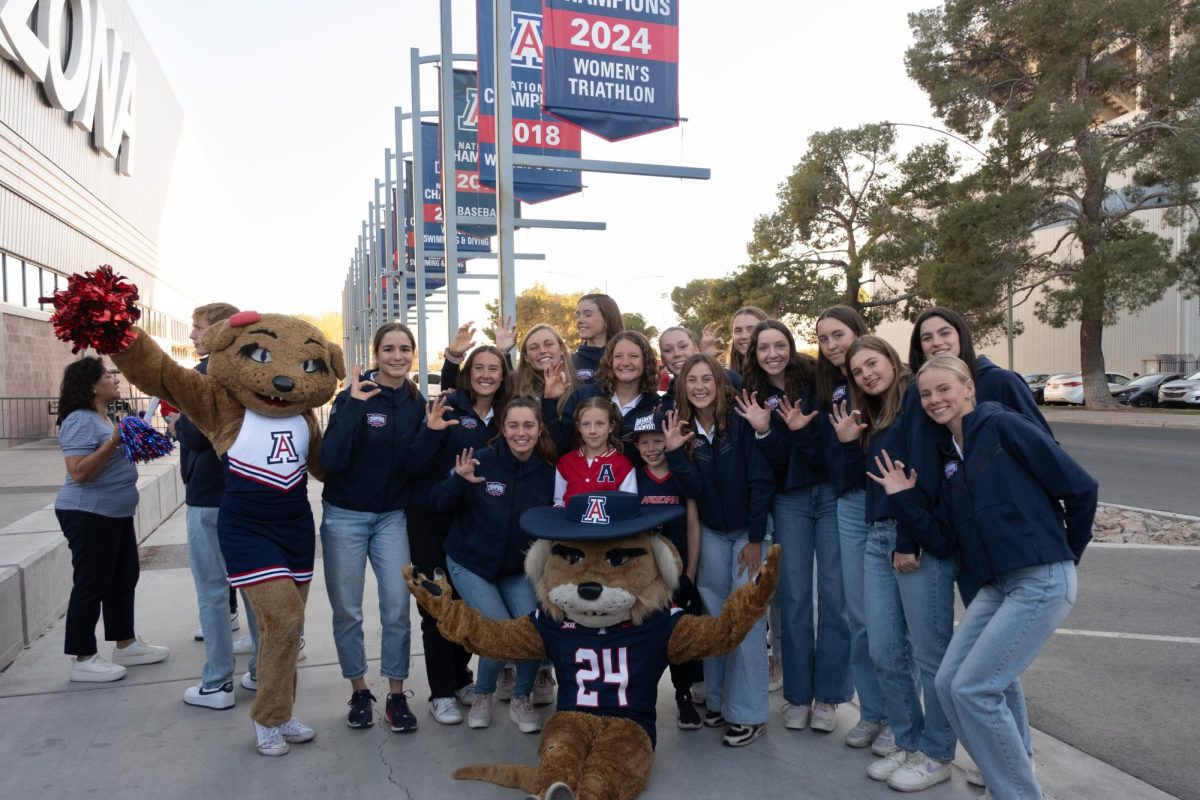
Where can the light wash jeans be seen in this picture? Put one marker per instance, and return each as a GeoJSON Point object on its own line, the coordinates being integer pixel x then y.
{"type": "Point", "coordinates": [349, 539]}
{"type": "Point", "coordinates": [910, 618]}
{"type": "Point", "coordinates": [736, 684]}
{"type": "Point", "coordinates": [511, 597]}
{"type": "Point", "coordinates": [852, 536]}
{"type": "Point", "coordinates": [1004, 629]}
{"type": "Point", "coordinates": [212, 596]}
{"type": "Point", "coordinates": [816, 657]}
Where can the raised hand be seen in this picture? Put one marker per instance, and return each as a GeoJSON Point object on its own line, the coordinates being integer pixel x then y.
{"type": "Point", "coordinates": [710, 339]}
{"type": "Point", "coordinates": [846, 423]}
{"type": "Point", "coordinates": [360, 389]}
{"type": "Point", "coordinates": [793, 414]}
{"type": "Point", "coordinates": [435, 414]}
{"type": "Point", "coordinates": [505, 333]}
{"type": "Point", "coordinates": [464, 340]}
{"type": "Point", "coordinates": [465, 463]}
{"type": "Point", "coordinates": [748, 409]}
{"type": "Point", "coordinates": [891, 474]}
{"type": "Point", "coordinates": [554, 382]}
{"type": "Point", "coordinates": [673, 430]}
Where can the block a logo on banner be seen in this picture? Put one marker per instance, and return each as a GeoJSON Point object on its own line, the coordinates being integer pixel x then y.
{"type": "Point", "coordinates": [474, 200]}
{"type": "Point", "coordinates": [612, 68]}
{"type": "Point", "coordinates": [533, 131]}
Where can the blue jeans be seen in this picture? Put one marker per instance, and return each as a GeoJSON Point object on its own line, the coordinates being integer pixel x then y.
{"type": "Point", "coordinates": [736, 684]}
{"type": "Point", "coordinates": [212, 596]}
{"type": "Point", "coordinates": [816, 658]}
{"type": "Point", "coordinates": [511, 597]}
{"type": "Point", "coordinates": [1004, 629]}
{"type": "Point", "coordinates": [852, 536]}
{"type": "Point", "coordinates": [910, 618]}
{"type": "Point", "coordinates": [349, 539]}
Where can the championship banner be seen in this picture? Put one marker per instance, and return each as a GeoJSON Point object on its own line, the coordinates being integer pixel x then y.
{"type": "Point", "coordinates": [533, 132]}
{"type": "Point", "coordinates": [472, 197]}
{"type": "Point", "coordinates": [612, 68]}
{"type": "Point", "coordinates": [432, 231]}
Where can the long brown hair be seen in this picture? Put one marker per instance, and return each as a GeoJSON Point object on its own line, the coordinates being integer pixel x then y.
{"type": "Point", "coordinates": [647, 383]}
{"type": "Point", "coordinates": [737, 362]}
{"type": "Point", "coordinates": [609, 311]}
{"type": "Point", "coordinates": [798, 375]}
{"type": "Point", "coordinates": [829, 376]}
{"type": "Point", "coordinates": [878, 411]}
{"type": "Point", "coordinates": [721, 403]}
{"type": "Point", "coordinates": [614, 421]}
{"type": "Point", "coordinates": [500, 398]}
{"type": "Point", "coordinates": [377, 342]}
{"type": "Point", "coordinates": [545, 445]}
{"type": "Point", "coordinates": [528, 381]}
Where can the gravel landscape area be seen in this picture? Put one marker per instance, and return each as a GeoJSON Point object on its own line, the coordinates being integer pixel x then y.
{"type": "Point", "coordinates": [1115, 524]}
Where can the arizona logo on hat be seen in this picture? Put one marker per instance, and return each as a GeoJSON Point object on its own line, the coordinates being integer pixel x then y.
{"type": "Point", "coordinates": [598, 515]}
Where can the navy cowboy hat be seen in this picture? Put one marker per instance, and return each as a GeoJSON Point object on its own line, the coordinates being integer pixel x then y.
{"type": "Point", "coordinates": [590, 516]}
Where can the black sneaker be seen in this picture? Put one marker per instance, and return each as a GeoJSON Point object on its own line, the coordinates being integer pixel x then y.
{"type": "Point", "coordinates": [362, 715]}
{"type": "Point", "coordinates": [742, 735]}
{"type": "Point", "coordinates": [398, 715]}
{"type": "Point", "coordinates": [713, 719]}
{"type": "Point", "coordinates": [689, 717]}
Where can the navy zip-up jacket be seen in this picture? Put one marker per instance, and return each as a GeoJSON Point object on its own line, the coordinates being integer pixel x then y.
{"type": "Point", "coordinates": [366, 448]}
{"type": "Point", "coordinates": [668, 399]}
{"type": "Point", "coordinates": [562, 426]}
{"type": "Point", "coordinates": [843, 480]}
{"type": "Point", "coordinates": [730, 479]}
{"type": "Point", "coordinates": [485, 535]}
{"type": "Point", "coordinates": [796, 457]}
{"type": "Point", "coordinates": [202, 472]}
{"type": "Point", "coordinates": [1016, 498]}
{"type": "Point", "coordinates": [432, 453]}
{"type": "Point", "coordinates": [586, 360]}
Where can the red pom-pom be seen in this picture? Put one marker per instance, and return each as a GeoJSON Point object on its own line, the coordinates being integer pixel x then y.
{"type": "Point", "coordinates": [96, 310]}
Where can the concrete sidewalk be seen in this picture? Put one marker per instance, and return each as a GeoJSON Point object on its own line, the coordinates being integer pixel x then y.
{"type": "Point", "coordinates": [1136, 417]}
{"type": "Point", "coordinates": [137, 739]}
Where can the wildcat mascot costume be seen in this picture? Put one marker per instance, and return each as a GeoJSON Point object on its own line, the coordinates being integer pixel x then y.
{"type": "Point", "coordinates": [604, 582]}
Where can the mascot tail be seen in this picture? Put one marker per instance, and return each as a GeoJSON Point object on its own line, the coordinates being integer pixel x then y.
{"type": "Point", "coordinates": [514, 776]}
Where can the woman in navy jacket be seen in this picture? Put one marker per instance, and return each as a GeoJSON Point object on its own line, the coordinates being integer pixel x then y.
{"type": "Point", "coordinates": [676, 345]}
{"type": "Point", "coordinates": [485, 550]}
{"type": "Point", "coordinates": [712, 453]}
{"type": "Point", "coordinates": [597, 320]}
{"type": "Point", "coordinates": [1020, 511]}
{"type": "Point", "coordinates": [367, 443]}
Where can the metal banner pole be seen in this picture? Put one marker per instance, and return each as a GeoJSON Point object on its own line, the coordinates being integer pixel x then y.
{"type": "Point", "coordinates": [502, 30]}
{"type": "Point", "coordinates": [377, 282]}
{"type": "Point", "coordinates": [401, 266]}
{"type": "Point", "coordinates": [449, 172]}
{"type": "Point", "coordinates": [418, 209]}
{"type": "Point", "coordinates": [389, 267]}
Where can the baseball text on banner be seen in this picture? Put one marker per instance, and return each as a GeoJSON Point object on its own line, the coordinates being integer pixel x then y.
{"type": "Point", "coordinates": [432, 231]}
{"type": "Point", "coordinates": [612, 68]}
{"type": "Point", "coordinates": [533, 131]}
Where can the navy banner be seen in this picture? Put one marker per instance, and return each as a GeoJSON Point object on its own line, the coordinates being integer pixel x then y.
{"type": "Point", "coordinates": [533, 131]}
{"type": "Point", "coordinates": [612, 68]}
{"type": "Point", "coordinates": [474, 200]}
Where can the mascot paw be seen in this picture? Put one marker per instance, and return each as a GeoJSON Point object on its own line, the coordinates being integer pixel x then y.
{"type": "Point", "coordinates": [768, 574]}
{"type": "Point", "coordinates": [434, 594]}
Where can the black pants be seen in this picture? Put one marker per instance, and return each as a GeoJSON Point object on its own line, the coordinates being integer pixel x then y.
{"type": "Point", "coordinates": [685, 674]}
{"type": "Point", "coordinates": [104, 559]}
{"type": "Point", "coordinates": [447, 664]}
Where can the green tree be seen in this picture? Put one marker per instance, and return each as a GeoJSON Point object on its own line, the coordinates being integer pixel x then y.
{"type": "Point", "coordinates": [1091, 108]}
{"type": "Point", "coordinates": [634, 321]}
{"type": "Point", "coordinates": [537, 305]}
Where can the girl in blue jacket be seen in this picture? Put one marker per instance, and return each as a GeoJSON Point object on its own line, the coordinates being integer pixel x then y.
{"type": "Point", "coordinates": [485, 550]}
{"type": "Point", "coordinates": [1019, 510]}
{"type": "Point", "coordinates": [909, 595]}
{"type": "Point", "coordinates": [712, 453]}
{"type": "Point", "coordinates": [816, 674]}
{"type": "Point", "coordinates": [367, 442]}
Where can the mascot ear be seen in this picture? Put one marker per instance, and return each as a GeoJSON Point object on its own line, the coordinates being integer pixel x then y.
{"type": "Point", "coordinates": [535, 560]}
{"type": "Point", "coordinates": [337, 360]}
{"type": "Point", "coordinates": [218, 336]}
{"type": "Point", "coordinates": [669, 564]}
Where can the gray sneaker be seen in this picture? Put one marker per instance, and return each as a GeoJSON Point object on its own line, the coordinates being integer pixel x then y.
{"type": "Point", "coordinates": [544, 689]}
{"type": "Point", "coordinates": [505, 683]}
{"type": "Point", "coordinates": [885, 742]}
{"type": "Point", "coordinates": [480, 715]}
{"type": "Point", "coordinates": [824, 717]}
{"type": "Point", "coordinates": [863, 734]}
{"type": "Point", "coordinates": [522, 712]}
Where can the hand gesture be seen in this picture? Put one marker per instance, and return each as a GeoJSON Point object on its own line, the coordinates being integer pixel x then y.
{"type": "Point", "coordinates": [793, 414]}
{"type": "Point", "coordinates": [710, 340]}
{"type": "Point", "coordinates": [505, 333]}
{"type": "Point", "coordinates": [750, 558]}
{"type": "Point", "coordinates": [673, 430]}
{"type": "Point", "coordinates": [846, 424]}
{"type": "Point", "coordinates": [554, 382]}
{"type": "Point", "coordinates": [465, 463]}
{"type": "Point", "coordinates": [464, 340]}
{"type": "Point", "coordinates": [361, 388]}
{"type": "Point", "coordinates": [748, 409]}
{"type": "Point", "coordinates": [767, 577]}
{"type": "Point", "coordinates": [891, 475]}
{"type": "Point", "coordinates": [435, 414]}
{"type": "Point", "coordinates": [905, 562]}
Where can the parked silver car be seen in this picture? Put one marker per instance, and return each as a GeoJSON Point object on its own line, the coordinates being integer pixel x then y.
{"type": "Point", "coordinates": [1184, 392]}
{"type": "Point", "coordinates": [1069, 388]}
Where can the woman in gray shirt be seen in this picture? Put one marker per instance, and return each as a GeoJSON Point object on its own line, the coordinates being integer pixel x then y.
{"type": "Point", "coordinates": [95, 509]}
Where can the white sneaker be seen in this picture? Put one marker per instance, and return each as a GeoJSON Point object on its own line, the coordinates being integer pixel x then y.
{"type": "Point", "coordinates": [795, 718]}
{"type": "Point", "coordinates": [824, 717]}
{"type": "Point", "coordinates": [270, 740]}
{"type": "Point", "coordinates": [974, 776]}
{"type": "Point", "coordinates": [882, 769]}
{"type": "Point", "coordinates": [466, 694]}
{"type": "Point", "coordinates": [480, 715]}
{"type": "Point", "coordinates": [218, 698]}
{"type": "Point", "coordinates": [243, 645]}
{"type": "Point", "coordinates": [445, 711]}
{"type": "Point", "coordinates": [863, 734]}
{"type": "Point", "coordinates": [96, 669]}
{"type": "Point", "coordinates": [885, 742]}
{"type": "Point", "coordinates": [505, 683]}
{"type": "Point", "coordinates": [294, 731]}
{"type": "Point", "coordinates": [301, 655]}
{"type": "Point", "coordinates": [544, 691]}
{"type": "Point", "coordinates": [774, 674]}
{"type": "Point", "coordinates": [233, 626]}
{"type": "Point", "coordinates": [521, 711]}
{"type": "Point", "coordinates": [140, 653]}
{"type": "Point", "coordinates": [249, 682]}
{"type": "Point", "coordinates": [919, 772]}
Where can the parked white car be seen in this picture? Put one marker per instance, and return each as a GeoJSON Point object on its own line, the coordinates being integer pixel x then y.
{"type": "Point", "coordinates": [1184, 392]}
{"type": "Point", "coordinates": [1068, 388]}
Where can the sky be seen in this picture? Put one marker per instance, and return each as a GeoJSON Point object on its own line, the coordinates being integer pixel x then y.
{"type": "Point", "coordinates": [289, 107]}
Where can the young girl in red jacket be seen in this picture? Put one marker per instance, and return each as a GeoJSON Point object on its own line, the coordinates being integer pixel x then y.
{"type": "Point", "coordinates": [597, 463]}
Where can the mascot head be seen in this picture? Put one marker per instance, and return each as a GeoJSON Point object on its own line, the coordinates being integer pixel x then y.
{"type": "Point", "coordinates": [598, 562]}
{"type": "Point", "coordinates": [274, 364]}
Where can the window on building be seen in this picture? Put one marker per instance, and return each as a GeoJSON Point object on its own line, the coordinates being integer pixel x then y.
{"type": "Point", "coordinates": [33, 285]}
{"type": "Point", "coordinates": [3, 277]}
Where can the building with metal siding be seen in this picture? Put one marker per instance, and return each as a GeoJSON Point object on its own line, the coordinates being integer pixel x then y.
{"type": "Point", "coordinates": [65, 207]}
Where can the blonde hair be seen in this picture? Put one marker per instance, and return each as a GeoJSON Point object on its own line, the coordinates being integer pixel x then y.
{"type": "Point", "coordinates": [878, 412]}
{"type": "Point", "coordinates": [528, 381]}
{"type": "Point", "coordinates": [952, 364]}
{"type": "Point", "coordinates": [606, 406]}
{"type": "Point", "coordinates": [212, 313]}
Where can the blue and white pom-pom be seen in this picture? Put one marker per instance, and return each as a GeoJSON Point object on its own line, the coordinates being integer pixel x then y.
{"type": "Point", "coordinates": [140, 443]}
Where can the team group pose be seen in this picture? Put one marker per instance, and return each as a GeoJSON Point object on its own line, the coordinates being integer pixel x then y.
{"type": "Point", "coordinates": [886, 484]}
